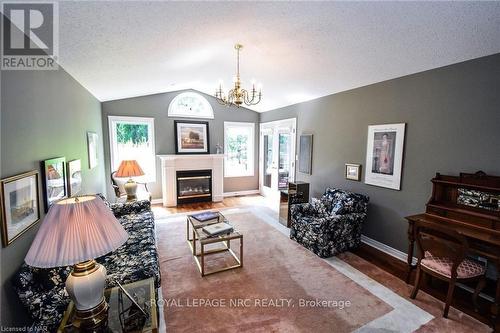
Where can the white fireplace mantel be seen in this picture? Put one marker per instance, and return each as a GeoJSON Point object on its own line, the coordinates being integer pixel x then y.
{"type": "Point", "coordinates": [170, 164]}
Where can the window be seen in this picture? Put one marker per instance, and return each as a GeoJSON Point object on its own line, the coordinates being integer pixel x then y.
{"type": "Point", "coordinates": [190, 105]}
{"type": "Point", "coordinates": [132, 138]}
{"type": "Point", "coordinates": [239, 149]}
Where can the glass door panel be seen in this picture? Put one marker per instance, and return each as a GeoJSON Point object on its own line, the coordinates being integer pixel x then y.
{"type": "Point", "coordinates": [284, 160]}
{"type": "Point", "coordinates": [268, 160]}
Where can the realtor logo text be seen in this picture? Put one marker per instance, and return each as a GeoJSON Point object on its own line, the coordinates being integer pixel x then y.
{"type": "Point", "coordinates": [29, 35]}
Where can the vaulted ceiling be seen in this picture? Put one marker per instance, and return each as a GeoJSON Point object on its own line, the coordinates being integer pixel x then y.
{"type": "Point", "coordinates": [298, 50]}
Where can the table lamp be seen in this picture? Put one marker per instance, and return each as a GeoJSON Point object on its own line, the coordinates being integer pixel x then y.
{"type": "Point", "coordinates": [129, 168]}
{"type": "Point", "coordinates": [75, 232]}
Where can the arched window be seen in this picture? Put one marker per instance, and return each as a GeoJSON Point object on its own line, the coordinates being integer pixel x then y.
{"type": "Point", "coordinates": [190, 105]}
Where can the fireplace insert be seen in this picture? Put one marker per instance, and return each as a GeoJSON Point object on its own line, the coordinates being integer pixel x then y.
{"type": "Point", "coordinates": [194, 186]}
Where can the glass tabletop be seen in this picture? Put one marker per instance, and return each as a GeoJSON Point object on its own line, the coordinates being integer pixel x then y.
{"type": "Point", "coordinates": [122, 315]}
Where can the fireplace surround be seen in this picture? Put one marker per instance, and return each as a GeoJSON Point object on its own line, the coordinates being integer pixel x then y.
{"type": "Point", "coordinates": [171, 164]}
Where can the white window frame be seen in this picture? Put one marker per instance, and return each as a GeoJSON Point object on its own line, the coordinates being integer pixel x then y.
{"type": "Point", "coordinates": [251, 153]}
{"type": "Point", "coordinates": [113, 120]}
{"type": "Point", "coordinates": [172, 112]}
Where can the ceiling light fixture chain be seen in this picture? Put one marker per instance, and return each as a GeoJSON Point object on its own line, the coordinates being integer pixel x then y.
{"type": "Point", "coordinates": [237, 96]}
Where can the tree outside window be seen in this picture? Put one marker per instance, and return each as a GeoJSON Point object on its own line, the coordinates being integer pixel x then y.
{"type": "Point", "coordinates": [239, 149]}
{"type": "Point", "coordinates": [132, 138]}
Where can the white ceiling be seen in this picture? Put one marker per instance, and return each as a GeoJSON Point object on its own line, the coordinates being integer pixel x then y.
{"type": "Point", "coordinates": [299, 51]}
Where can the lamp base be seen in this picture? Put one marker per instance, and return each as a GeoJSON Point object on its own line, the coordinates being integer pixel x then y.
{"type": "Point", "coordinates": [131, 189]}
{"type": "Point", "coordinates": [93, 319]}
{"type": "Point", "coordinates": [85, 286]}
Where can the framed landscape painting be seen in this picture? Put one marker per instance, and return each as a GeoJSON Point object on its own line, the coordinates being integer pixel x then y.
{"type": "Point", "coordinates": [74, 177]}
{"type": "Point", "coordinates": [384, 155]}
{"type": "Point", "coordinates": [191, 137]}
{"type": "Point", "coordinates": [20, 205]}
{"type": "Point", "coordinates": [54, 180]}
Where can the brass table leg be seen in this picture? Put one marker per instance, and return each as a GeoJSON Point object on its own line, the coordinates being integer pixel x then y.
{"type": "Point", "coordinates": [241, 251]}
{"type": "Point", "coordinates": [202, 260]}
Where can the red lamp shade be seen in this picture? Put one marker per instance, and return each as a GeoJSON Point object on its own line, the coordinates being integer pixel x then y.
{"type": "Point", "coordinates": [129, 168]}
{"type": "Point", "coordinates": [75, 230]}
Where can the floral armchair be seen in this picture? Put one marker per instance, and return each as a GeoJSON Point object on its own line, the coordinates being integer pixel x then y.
{"type": "Point", "coordinates": [329, 225]}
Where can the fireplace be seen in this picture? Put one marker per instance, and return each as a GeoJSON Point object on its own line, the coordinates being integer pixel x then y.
{"type": "Point", "coordinates": [194, 186]}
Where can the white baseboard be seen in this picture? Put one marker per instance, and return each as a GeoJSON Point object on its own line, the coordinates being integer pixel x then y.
{"type": "Point", "coordinates": [240, 193]}
{"type": "Point", "coordinates": [156, 201]}
{"type": "Point", "coordinates": [386, 249]}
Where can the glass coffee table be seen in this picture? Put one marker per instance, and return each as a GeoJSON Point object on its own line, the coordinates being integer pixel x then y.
{"type": "Point", "coordinates": [196, 236]}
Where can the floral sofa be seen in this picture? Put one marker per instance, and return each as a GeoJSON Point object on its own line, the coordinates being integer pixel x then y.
{"type": "Point", "coordinates": [329, 225]}
{"type": "Point", "coordinates": [42, 291]}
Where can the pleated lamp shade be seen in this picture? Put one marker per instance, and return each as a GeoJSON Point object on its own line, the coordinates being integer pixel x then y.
{"type": "Point", "coordinates": [75, 230]}
{"type": "Point", "coordinates": [129, 168]}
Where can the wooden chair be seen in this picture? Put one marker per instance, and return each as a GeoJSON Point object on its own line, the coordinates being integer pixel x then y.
{"type": "Point", "coordinates": [442, 254]}
{"type": "Point", "coordinates": [142, 189]}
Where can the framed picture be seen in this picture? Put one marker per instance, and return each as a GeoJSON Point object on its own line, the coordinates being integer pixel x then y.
{"type": "Point", "coordinates": [305, 153]}
{"type": "Point", "coordinates": [353, 171]}
{"type": "Point", "coordinates": [191, 137]}
{"type": "Point", "coordinates": [74, 177]}
{"type": "Point", "coordinates": [54, 180]}
{"type": "Point", "coordinates": [384, 155]}
{"type": "Point", "coordinates": [20, 205]}
{"type": "Point", "coordinates": [92, 149]}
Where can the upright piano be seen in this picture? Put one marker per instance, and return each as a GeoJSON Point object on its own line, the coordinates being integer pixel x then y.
{"type": "Point", "coordinates": [469, 204]}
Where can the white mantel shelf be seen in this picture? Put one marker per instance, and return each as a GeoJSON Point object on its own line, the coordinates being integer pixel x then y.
{"type": "Point", "coordinates": [170, 164]}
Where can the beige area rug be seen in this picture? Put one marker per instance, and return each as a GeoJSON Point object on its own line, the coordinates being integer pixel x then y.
{"type": "Point", "coordinates": [275, 291]}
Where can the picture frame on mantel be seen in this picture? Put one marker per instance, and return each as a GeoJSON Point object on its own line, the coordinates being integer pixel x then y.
{"type": "Point", "coordinates": [384, 155]}
{"type": "Point", "coordinates": [191, 137]}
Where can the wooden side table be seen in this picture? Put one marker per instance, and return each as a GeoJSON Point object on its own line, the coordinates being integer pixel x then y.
{"type": "Point", "coordinates": [143, 291]}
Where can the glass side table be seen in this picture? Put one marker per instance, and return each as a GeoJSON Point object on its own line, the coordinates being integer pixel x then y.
{"type": "Point", "coordinates": [121, 316]}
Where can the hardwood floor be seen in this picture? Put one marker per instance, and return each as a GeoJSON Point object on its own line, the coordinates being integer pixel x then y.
{"type": "Point", "coordinates": [238, 201]}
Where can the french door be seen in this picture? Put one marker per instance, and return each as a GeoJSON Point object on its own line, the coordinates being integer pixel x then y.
{"type": "Point", "coordinates": [277, 156]}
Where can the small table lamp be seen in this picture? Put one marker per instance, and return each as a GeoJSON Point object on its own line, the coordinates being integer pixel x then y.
{"type": "Point", "coordinates": [75, 232]}
{"type": "Point", "coordinates": [129, 168]}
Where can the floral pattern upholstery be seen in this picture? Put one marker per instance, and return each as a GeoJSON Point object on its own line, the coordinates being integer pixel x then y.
{"type": "Point", "coordinates": [329, 225]}
{"type": "Point", "coordinates": [43, 293]}
{"type": "Point", "coordinates": [467, 269]}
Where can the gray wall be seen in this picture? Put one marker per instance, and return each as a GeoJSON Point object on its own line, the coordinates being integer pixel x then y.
{"type": "Point", "coordinates": [453, 125]}
{"type": "Point", "coordinates": [156, 106]}
{"type": "Point", "coordinates": [44, 114]}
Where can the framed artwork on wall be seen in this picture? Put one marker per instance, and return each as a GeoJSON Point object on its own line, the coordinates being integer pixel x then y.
{"type": "Point", "coordinates": [384, 155]}
{"type": "Point", "coordinates": [74, 177]}
{"type": "Point", "coordinates": [20, 205]}
{"type": "Point", "coordinates": [92, 139]}
{"type": "Point", "coordinates": [305, 153]}
{"type": "Point", "coordinates": [191, 137]}
{"type": "Point", "coordinates": [353, 171]}
{"type": "Point", "coordinates": [54, 180]}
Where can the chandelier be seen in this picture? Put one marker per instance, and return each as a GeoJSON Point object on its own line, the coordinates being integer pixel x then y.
{"type": "Point", "coordinates": [237, 96]}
